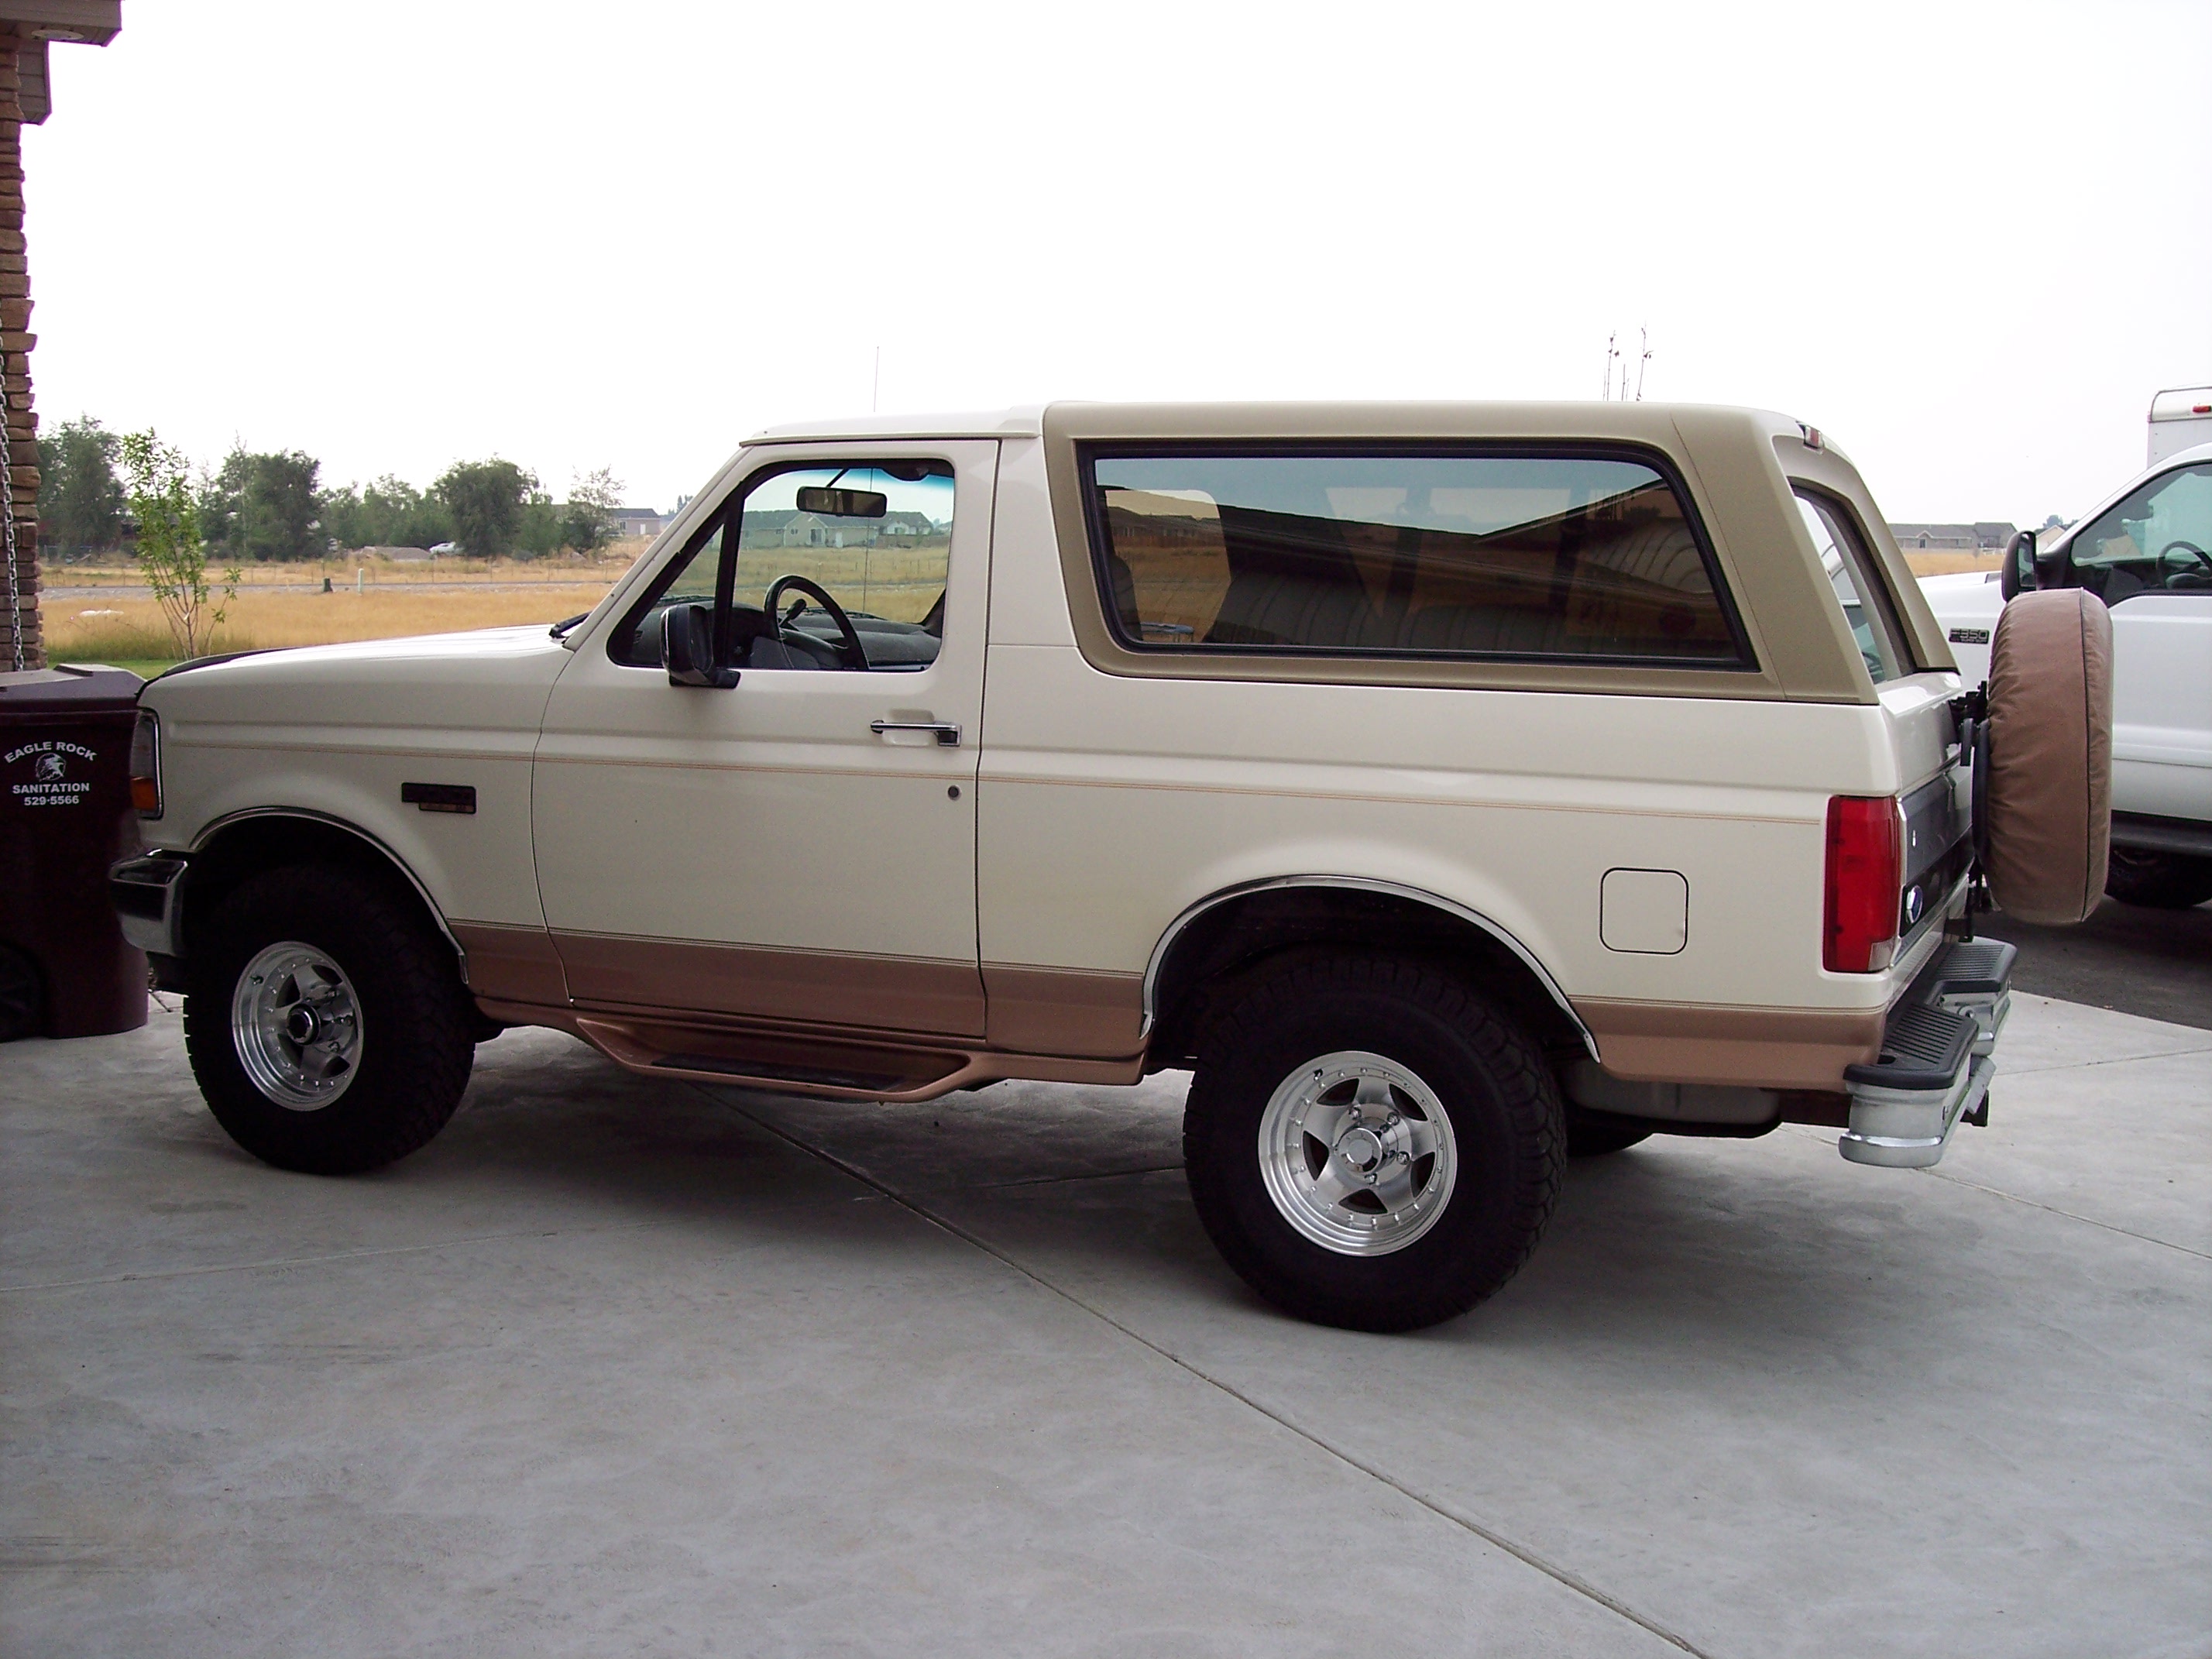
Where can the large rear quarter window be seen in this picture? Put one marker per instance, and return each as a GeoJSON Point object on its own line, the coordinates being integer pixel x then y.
{"type": "Point", "coordinates": [1584, 557]}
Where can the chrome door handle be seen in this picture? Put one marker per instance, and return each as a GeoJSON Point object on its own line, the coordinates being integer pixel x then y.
{"type": "Point", "coordinates": [948, 735]}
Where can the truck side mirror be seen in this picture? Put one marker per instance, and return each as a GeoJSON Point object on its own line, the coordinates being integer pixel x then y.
{"type": "Point", "coordinates": [2017, 573]}
{"type": "Point", "coordinates": [687, 648]}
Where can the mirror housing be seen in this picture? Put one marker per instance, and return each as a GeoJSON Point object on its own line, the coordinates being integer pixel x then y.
{"type": "Point", "coordinates": [2017, 575]}
{"type": "Point", "coordinates": [687, 648]}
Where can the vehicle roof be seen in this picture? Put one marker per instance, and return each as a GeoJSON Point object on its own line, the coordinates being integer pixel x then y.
{"type": "Point", "coordinates": [1279, 419]}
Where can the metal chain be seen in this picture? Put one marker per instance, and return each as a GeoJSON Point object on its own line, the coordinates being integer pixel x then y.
{"type": "Point", "coordinates": [8, 512]}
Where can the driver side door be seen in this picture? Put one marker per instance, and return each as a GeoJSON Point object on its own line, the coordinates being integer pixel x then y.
{"type": "Point", "coordinates": [2149, 557]}
{"type": "Point", "coordinates": [764, 850]}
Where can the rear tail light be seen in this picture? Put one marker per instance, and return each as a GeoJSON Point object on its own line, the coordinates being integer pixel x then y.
{"type": "Point", "coordinates": [1865, 872]}
{"type": "Point", "coordinates": [146, 765]}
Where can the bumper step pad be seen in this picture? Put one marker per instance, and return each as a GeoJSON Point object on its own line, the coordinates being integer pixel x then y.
{"type": "Point", "coordinates": [1937, 1060]}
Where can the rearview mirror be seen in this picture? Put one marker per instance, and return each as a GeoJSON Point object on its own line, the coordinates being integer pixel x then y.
{"type": "Point", "coordinates": [687, 648]}
{"type": "Point", "coordinates": [2017, 573]}
{"type": "Point", "coordinates": [844, 503]}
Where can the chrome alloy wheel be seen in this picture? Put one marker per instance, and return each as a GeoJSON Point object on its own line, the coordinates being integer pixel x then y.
{"type": "Point", "coordinates": [296, 1025]}
{"type": "Point", "coordinates": [1357, 1153]}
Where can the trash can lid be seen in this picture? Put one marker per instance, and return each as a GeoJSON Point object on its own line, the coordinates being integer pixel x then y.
{"type": "Point", "coordinates": [78, 685]}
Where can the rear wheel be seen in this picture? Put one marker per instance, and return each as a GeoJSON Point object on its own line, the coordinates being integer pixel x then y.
{"type": "Point", "coordinates": [1369, 1144]}
{"type": "Point", "coordinates": [2159, 881]}
{"type": "Point", "coordinates": [326, 1023]}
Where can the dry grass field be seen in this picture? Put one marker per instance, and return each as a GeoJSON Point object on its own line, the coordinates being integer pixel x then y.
{"type": "Point", "coordinates": [1944, 564]}
{"type": "Point", "coordinates": [129, 628]}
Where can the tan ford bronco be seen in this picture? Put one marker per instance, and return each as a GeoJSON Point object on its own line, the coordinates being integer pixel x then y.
{"type": "Point", "coordinates": [1450, 788]}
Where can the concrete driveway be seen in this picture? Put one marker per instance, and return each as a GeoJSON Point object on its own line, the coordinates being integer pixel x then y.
{"type": "Point", "coordinates": [619, 1365]}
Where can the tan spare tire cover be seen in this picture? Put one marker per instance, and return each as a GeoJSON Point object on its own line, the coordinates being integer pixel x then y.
{"type": "Point", "coordinates": [2047, 803]}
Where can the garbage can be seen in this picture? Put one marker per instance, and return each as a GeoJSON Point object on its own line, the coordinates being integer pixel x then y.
{"type": "Point", "coordinates": [65, 815]}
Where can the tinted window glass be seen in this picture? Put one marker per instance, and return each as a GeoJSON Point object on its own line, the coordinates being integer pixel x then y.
{"type": "Point", "coordinates": [2159, 538]}
{"type": "Point", "coordinates": [1529, 557]}
{"type": "Point", "coordinates": [1857, 585]}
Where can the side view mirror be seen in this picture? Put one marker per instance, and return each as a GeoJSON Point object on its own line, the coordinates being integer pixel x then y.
{"type": "Point", "coordinates": [2017, 575]}
{"type": "Point", "coordinates": [687, 648]}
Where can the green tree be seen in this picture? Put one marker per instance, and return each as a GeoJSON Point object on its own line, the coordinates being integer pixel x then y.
{"type": "Point", "coordinates": [540, 533]}
{"type": "Point", "coordinates": [80, 497]}
{"type": "Point", "coordinates": [592, 502]}
{"type": "Point", "coordinates": [171, 554]}
{"type": "Point", "coordinates": [486, 499]}
{"type": "Point", "coordinates": [390, 513]}
{"type": "Point", "coordinates": [263, 505]}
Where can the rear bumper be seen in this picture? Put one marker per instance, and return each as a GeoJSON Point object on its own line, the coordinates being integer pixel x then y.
{"type": "Point", "coordinates": [1937, 1060]}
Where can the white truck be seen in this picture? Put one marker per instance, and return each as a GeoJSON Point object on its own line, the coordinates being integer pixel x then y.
{"type": "Point", "coordinates": [2146, 551]}
{"type": "Point", "coordinates": [1448, 786]}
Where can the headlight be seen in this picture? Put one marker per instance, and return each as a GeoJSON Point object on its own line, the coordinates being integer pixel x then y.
{"type": "Point", "coordinates": [146, 765]}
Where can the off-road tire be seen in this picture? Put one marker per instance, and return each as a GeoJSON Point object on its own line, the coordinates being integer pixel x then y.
{"type": "Point", "coordinates": [1491, 1080]}
{"type": "Point", "coordinates": [1593, 1134]}
{"type": "Point", "coordinates": [2159, 881]}
{"type": "Point", "coordinates": [417, 1039]}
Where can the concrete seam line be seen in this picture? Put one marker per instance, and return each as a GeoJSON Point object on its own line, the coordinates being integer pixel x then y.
{"type": "Point", "coordinates": [2117, 1060]}
{"type": "Point", "coordinates": [1435, 1507]}
{"type": "Point", "coordinates": [322, 1260]}
{"type": "Point", "coordinates": [2052, 1209]}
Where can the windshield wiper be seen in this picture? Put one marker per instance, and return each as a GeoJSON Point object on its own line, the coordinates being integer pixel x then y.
{"type": "Point", "coordinates": [561, 628]}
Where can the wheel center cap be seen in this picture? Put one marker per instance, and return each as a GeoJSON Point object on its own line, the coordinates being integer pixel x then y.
{"type": "Point", "coordinates": [1361, 1148]}
{"type": "Point", "coordinates": [301, 1024]}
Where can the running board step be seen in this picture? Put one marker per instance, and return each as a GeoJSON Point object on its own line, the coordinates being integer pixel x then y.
{"type": "Point", "coordinates": [779, 1062]}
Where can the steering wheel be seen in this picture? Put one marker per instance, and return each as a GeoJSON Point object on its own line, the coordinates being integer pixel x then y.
{"type": "Point", "coordinates": [849, 649]}
{"type": "Point", "coordinates": [2201, 556]}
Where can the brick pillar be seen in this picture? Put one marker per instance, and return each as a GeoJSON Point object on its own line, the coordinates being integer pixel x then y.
{"type": "Point", "coordinates": [16, 343]}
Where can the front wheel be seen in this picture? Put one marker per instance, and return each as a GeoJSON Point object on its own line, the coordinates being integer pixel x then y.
{"type": "Point", "coordinates": [326, 1024]}
{"type": "Point", "coordinates": [1371, 1145]}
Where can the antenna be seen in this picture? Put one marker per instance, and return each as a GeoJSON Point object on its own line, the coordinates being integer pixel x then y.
{"type": "Point", "coordinates": [1640, 362]}
{"type": "Point", "coordinates": [1610, 353]}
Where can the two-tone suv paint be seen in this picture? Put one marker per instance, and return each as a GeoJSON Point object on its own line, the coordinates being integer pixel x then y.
{"type": "Point", "coordinates": [1448, 786]}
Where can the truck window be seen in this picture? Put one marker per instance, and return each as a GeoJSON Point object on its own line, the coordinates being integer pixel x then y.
{"type": "Point", "coordinates": [2158, 539]}
{"type": "Point", "coordinates": [1583, 556]}
{"type": "Point", "coordinates": [1857, 584]}
{"type": "Point", "coordinates": [877, 537]}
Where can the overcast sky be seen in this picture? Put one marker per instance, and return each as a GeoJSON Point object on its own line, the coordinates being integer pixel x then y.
{"type": "Point", "coordinates": [1968, 242]}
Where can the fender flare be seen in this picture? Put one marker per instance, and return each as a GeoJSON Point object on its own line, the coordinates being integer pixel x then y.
{"type": "Point", "coordinates": [1365, 885]}
{"type": "Point", "coordinates": [309, 815]}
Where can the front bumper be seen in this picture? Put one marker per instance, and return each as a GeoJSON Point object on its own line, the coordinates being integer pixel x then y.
{"type": "Point", "coordinates": [146, 892]}
{"type": "Point", "coordinates": [1937, 1058]}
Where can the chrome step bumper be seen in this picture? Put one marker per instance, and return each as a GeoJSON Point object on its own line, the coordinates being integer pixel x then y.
{"type": "Point", "coordinates": [1937, 1059]}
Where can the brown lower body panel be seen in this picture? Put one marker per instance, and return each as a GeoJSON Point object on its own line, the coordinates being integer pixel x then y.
{"type": "Point", "coordinates": [1755, 1048]}
{"type": "Point", "coordinates": [511, 964]}
{"type": "Point", "coordinates": [897, 994]}
{"type": "Point", "coordinates": [1064, 1011]}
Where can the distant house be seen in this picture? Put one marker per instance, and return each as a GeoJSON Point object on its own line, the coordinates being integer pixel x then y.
{"type": "Point", "coordinates": [788, 528]}
{"type": "Point", "coordinates": [639, 521]}
{"type": "Point", "coordinates": [1983, 536]}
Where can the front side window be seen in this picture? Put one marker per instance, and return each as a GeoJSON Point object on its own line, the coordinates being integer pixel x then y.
{"type": "Point", "coordinates": [1583, 557]}
{"type": "Point", "coordinates": [816, 567]}
{"type": "Point", "coordinates": [1857, 584]}
{"type": "Point", "coordinates": [2158, 539]}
